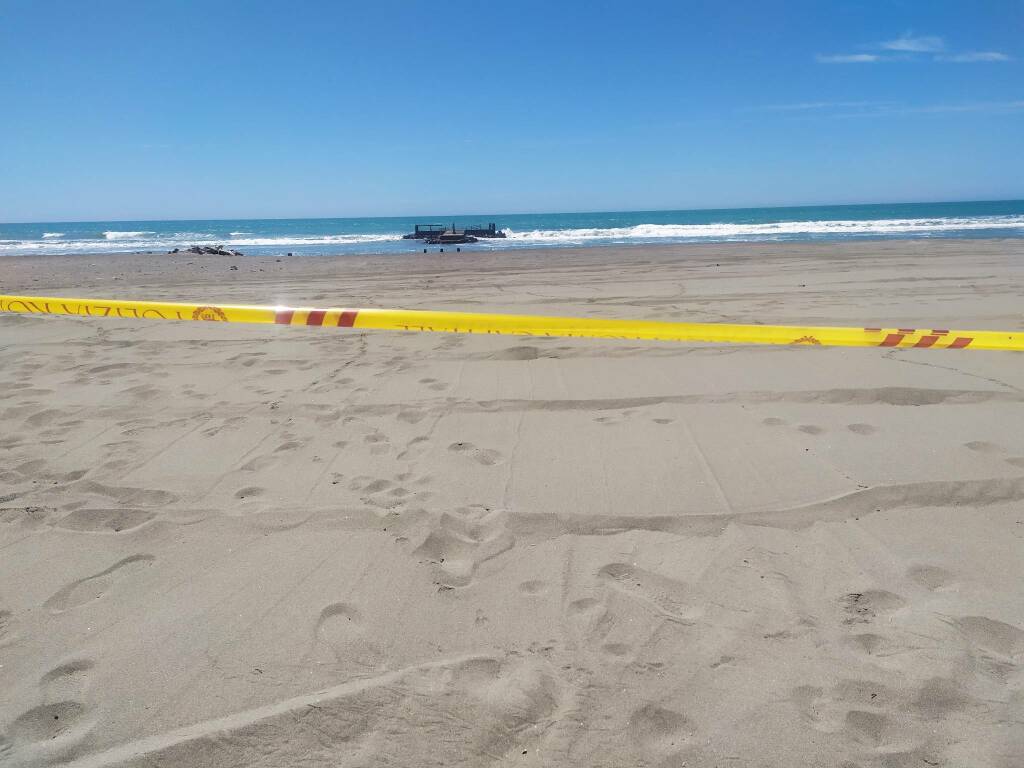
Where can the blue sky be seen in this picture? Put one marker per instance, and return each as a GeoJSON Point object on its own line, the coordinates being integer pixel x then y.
{"type": "Point", "coordinates": [204, 109]}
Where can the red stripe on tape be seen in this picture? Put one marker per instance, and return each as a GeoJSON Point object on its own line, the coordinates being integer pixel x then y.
{"type": "Point", "coordinates": [284, 316]}
{"type": "Point", "coordinates": [316, 317]}
{"type": "Point", "coordinates": [873, 330]}
{"type": "Point", "coordinates": [939, 331]}
{"type": "Point", "coordinates": [891, 340]}
{"type": "Point", "coordinates": [907, 330]}
{"type": "Point", "coordinates": [926, 341]}
{"type": "Point", "coordinates": [960, 342]}
{"type": "Point", "coordinates": [347, 318]}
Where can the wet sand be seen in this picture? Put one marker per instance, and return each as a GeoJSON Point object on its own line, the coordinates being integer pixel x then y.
{"type": "Point", "coordinates": [261, 545]}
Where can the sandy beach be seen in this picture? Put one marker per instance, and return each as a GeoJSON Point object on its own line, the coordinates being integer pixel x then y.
{"type": "Point", "coordinates": [277, 546]}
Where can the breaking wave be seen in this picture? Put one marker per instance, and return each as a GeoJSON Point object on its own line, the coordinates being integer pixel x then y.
{"type": "Point", "coordinates": [770, 231]}
{"type": "Point", "coordinates": [315, 240]}
{"type": "Point", "coordinates": [125, 242]}
{"type": "Point", "coordinates": [115, 235]}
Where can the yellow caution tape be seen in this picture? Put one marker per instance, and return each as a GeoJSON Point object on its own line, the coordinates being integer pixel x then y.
{"type": "Point", "coordinates": [521, 325]}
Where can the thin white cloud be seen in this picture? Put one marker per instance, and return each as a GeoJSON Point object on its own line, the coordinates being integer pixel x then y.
{"type": "Point", "coordinates": [848, 58]}
{"type": "Point", "coordinates": [911, 47]}
{"type": "Point", "coordinates": [975, 56]}
{"type": "Point", "coordinates": [909, 43]}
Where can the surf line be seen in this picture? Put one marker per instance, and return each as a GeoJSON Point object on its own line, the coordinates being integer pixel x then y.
{"type": "Point", "coordinates": [520, 325]}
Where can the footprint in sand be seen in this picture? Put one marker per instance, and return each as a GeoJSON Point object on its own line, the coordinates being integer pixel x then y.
{"type": "Point", "coordinates": [516, 353]}
{"type": "Point", "coordinates": [981, 446]}
{"type": "Point", "coordinates": [861, 429]}
{"type": "Point", "coordinates": [48, 722]}
{"type": "Point", "coordinates": [810, 429]}
{"type": "Point", "coordinates": [105, 520]}
{"type": "Point", "coordinates": [44, 417]}
{"type": "Point", "coordinates": [860, 709]}
{"type": "Point", "coordinates": [247, 359]}
{"type": "Point", "coordinates": [590, 618]}
{"type": "Point", "coordinates": [991, 636]}
{"type": "Point", "coordinates": [341, 629]}
{"type": "Point", "coordinates": [658, 730]}
{"type": "Point", "coordinates": [450, 343]}
{"type": "Point", "coordinates": [412, 415]}
{"type": "Point", "coordinates": [378, 442]}
{"type": "Point", "coordinates": [143, 497]}
{"type": "Point", "coordinates": [525, 694]}
{"type": "Point", "coordinates": [62, 715]}
{"type": "Point", "coordinates": [940, 697]}
{"type": "Point", "coordinates": [873, 729]}
{"type": "Point", "coordinates": [484, 456]}
{"type": "Point", "coordinates": [930, 576]}
{"type": "Point", "coordinates": [259, 463]}
{"type": "Point", "coordinates": [863, 607]}
{"type": "Point", "coordinates": [814, 707]}
{"type": "Point", "coordinates": [327, 419]}
{"type": "Point", "coordinates": [617, 418]}
{"type": "Point", "coordinates": [464, 539]}
{"type": "Point", "coordinates": [29, 517]}
{"type": "Point", "coordinates": [772, 421]}
{"type": "Point", "coordinates": [66, 682]}
{"type": "Point", "coordinates": [94, 587]}
{"type": "Point", "coordinates": [533, 587]}
{"type": "Point", "coordinates": [667, 597]}
{"type": "Point", "coordinates": [876, 645]}
{"type": "Point", "coordinates": [386, 495]}
{"type": "Point", "coordinates": [618, 650]}
{"type": "Point", "coordinates": [434, 384]}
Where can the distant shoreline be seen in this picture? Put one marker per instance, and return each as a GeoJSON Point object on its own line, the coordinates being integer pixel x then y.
{"type": "Point", "coordinates": [320, 237]}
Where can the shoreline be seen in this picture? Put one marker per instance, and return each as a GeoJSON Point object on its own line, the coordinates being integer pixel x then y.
{"type": "Point", "coordinates": [468, 250]}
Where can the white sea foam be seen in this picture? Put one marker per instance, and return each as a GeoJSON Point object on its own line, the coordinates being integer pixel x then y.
{"type": "Point", "coordinates": [317, 240]}
{"type": "Point", "coordinates": [115, 235]}
{"type": "Point", "coordinates": [239, 234]}
{"type": "Point", "coordinates": [121, 241]}
{"type": "Point", "coordinates": [53, 234]}
{"type": "Point", "coordinates": [727, 231]}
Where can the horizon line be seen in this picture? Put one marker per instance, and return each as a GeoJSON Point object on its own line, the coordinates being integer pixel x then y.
{"type": "Point", "coordinates": [526, 213]}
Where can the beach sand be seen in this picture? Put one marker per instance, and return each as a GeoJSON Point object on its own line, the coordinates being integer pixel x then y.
{"type": "Point", "coordinates": [280, 546]}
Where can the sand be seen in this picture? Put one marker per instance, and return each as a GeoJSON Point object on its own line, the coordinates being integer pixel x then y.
{"type": "Point", "coordinates": [279, 546]}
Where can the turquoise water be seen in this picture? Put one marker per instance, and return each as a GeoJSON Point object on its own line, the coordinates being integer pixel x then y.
{"type": "Point", "coordinates": [383, 235]}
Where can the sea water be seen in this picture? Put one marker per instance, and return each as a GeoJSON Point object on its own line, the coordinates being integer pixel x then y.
{"type": "Point", "coordinates": [529, 230]}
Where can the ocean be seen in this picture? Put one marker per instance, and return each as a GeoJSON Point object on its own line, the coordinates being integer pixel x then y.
{"type": "Point", "coordinates": [383, 234]}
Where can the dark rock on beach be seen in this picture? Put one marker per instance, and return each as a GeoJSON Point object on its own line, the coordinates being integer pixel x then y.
{"type": "Point", "coordinates": [209, 250]}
